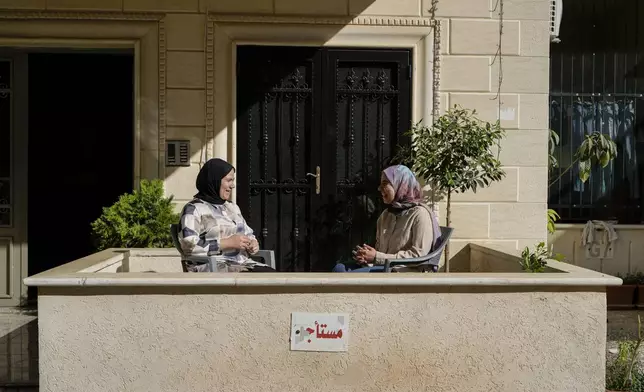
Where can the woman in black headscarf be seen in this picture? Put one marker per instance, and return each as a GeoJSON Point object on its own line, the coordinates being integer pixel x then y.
{"type": "Point", "coordinates": [213, 226]}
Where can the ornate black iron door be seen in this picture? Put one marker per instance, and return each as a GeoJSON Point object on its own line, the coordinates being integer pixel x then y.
{"type": "Point", "coordinates": [315, 128]}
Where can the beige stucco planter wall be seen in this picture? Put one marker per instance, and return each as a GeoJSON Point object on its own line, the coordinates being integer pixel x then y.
{"type": "Point", "coordinates": [186, 87]}
{"type": "Point", "coordinates": [490, 330]}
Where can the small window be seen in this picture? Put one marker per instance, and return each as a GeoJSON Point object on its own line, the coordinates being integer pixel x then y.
{"type": "Point", "coordinates": [596, 86]}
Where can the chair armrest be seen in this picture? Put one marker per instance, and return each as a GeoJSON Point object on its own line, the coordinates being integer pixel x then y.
{"type": "Point", "coordinates": [410, 261]}
{"type": "Point", "coordinates": [268, 256]}
{"type": "Point", "coordinates": [210, 260]}
{"type": "Point", "coordinates": [197, 259]}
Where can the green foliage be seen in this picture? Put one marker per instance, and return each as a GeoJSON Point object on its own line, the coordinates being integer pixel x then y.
{"type": "Point", "coordinates": [622, 373]}
{"type": "Point", "coordinates": [631, 278]}
{"type": "Point", "coordinates": [535, 261]}
{"type": "Point", "coordinates": [455, 153]}
{"type": "Point", "coordinates": [553, 217]}
{"type": "Point", "coordinates": [596, 149]}
{"type": "Point", "coordinates": [558, 256]}
{"type": "Point", "coordinates": [137, 220]}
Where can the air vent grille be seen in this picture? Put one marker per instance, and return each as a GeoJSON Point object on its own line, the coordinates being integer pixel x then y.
{"type": "Point", "coordinates": [177, 153]}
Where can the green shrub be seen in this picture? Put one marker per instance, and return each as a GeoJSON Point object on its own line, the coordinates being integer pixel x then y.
{"type": "Point", "coordinates": [623, 373]}
{"type": "Point", "coordinates": [631, 278]}
{"type": "Point", "coordinates": [617, 370]}
{"type": "Point", "coordinates": [535, 261]}
{"type": "Point", "coordinates": [138, 220]}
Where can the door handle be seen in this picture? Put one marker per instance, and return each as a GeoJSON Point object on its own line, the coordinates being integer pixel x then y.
{"type": "Point", "coordinates": [317, 176]}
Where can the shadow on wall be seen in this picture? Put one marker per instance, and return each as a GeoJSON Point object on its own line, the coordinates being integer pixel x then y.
{"type": "Point", "coordinates": [181, 179]}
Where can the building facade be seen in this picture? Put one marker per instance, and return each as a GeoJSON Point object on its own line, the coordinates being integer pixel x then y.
{"type": "Point", "coordinates": [310, 118]}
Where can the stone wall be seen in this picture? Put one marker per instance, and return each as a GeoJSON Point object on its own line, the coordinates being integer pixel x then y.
{"type": "Point", "coordinates": [508, 215]}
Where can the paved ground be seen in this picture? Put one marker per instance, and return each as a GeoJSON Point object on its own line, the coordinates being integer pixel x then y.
{"type": "Point", "coordinates": [622, 325]}
{"type": "Point", "coordinates": [19, 344]}
{"type": "Point", "coordinates": [18, 350]}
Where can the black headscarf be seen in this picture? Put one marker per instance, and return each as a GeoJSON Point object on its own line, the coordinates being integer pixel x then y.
{"type": "Point", "coordinates": [209, 180]}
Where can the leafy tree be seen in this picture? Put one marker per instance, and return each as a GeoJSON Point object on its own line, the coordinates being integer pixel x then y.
{"type": "Point", "coordinates": [454, 155]}
{"type": "Point", "coordinates": [596, 149]}
{"type": "Point", "coordinates": [138, 220]}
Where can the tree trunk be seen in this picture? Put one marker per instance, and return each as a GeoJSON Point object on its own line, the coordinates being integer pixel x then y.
{"type": "Point", "coordinates": [448, 218]}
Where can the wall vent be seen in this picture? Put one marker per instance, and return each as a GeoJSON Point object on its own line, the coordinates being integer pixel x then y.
{"type": "Point", "coordinates": [177, 153]}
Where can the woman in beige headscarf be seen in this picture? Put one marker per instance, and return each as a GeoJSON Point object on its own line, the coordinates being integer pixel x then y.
{"type": "Point", "coordinates": [406, 229]}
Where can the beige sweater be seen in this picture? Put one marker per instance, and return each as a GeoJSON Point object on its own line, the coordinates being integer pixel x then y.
{"type": "Point", "coordinates": [409, 234]}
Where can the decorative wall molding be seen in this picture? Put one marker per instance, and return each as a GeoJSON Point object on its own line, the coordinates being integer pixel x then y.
{"type": "Point", "coordinates": [342, 20]}
{"type": "Point", "coordinates": [162, 96]}
{"type": "Point", "coordinates": [133, 27]}
{"type": "Point", "coordinates": [231, 26]}
{"type": "Point", "coordinates": [82, 15]}
{"type": "Point", "coordinates": [436, 109]}
{"type": "Point", "coordinates": [210, 89]}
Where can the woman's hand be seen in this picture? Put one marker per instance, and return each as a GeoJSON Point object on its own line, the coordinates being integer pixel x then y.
{"type": "Point", "coordinates": [364, 254]}
{"type": "Point", "coordinates": [253, 247]}
{"type": "Point", "coordinates": [237, 242]}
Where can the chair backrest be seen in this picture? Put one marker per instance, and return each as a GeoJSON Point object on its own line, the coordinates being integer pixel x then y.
{"type": "Point", "coordinates": [446, 233]}
{"type": "Point", "coordinates": [434, 256]}
{"type": "Point", "coordinates": [174, 232]}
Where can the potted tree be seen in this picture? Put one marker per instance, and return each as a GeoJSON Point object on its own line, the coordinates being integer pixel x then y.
{"type": "Point", "coordinates": [454, 155]}
{"type": "Point", "coordinates": [620, 297]}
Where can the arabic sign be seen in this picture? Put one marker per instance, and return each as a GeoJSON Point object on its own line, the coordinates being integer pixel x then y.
{"type": "Point", "coordinates": [319, 332]}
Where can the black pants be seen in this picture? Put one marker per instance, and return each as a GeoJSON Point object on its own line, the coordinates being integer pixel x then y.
{"type": "Point", "coordinates": [260, 268]}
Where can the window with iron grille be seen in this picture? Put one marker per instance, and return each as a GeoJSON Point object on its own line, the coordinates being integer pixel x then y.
{"type": "Point", "coordinates": [595, 85]}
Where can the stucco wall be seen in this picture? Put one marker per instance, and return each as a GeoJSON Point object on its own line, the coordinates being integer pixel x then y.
{"type": "Point", "coordinates": [628, 250]}
{"type": "Point", "coordinates": [508, 215]}
{"type": "Point", "coordinates": [463, 340]}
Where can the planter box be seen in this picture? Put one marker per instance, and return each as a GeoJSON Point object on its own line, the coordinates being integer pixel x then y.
{"type": "Point", "coordinates": [639, 296]}
{"type": "Point", "coordinates": [621, 296]}
{"type": "Point", "coordinates": [142, 324]}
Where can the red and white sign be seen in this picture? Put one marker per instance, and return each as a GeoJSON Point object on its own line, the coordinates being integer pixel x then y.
{"type": "Point", "coordinates": [320, 332]}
